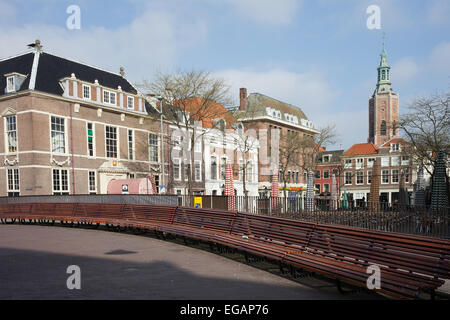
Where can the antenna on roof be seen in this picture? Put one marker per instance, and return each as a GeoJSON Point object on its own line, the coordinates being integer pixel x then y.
{"type": "Point", "coordinates": [36, 45]}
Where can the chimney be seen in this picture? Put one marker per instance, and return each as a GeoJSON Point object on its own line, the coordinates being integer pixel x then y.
{"type": "Point", "coordinates": [122, 71]}
{"type": "Point", "coordinates": [243, 98]}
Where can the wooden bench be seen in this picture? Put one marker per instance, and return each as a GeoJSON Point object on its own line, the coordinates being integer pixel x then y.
{"type": "Point", "coordinates": [409, 265]}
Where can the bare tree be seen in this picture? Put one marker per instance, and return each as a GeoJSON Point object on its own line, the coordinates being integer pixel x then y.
{"type": "Point", "coordinates": [426, 128]}
{"type": "Point", "coordinates": [190, 98]}
{"type": "Point", "coordinates": [311, 145]}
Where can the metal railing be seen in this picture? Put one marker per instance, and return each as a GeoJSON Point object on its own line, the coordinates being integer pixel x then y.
{"type": "Point", "coordinates": [419, 220]}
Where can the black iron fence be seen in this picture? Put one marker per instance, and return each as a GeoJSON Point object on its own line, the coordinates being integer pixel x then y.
{"type": "Point", "coordinates": [419, 220]}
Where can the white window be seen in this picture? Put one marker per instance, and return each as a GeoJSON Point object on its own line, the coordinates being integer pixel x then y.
{"type": "Point", "coordinates": [92, 182]}
{"type": "Point", "coordinates": [223, 168]}
{"type": "Point", "coordinates": [395, 147]}
{"type": "Point", "coordinates": [370, 162]}
{"type": "Point", "coordinates": [90, 139]}
{"type": "Point", "coordinates": [86, 91]}
{"type": "Point", "coordinates": [187, 171]}
{"type": "Point", "coordinates": [395, 176]}
{"type": "Point", "coordinates": [359, 163]}
{"type": "Point", "coordinates": [395, 161]}
{"type": "Point", "coordinates": [153, 147]}
{"type": "Point", "coordinates": [213, 168]}
{"type": "Point", "coordinates": [109, 97]}
{"type": "Point", "coordinates": [130, 103]}
{"type": "Point", "coordinates": [11, 133]}
{"type": "Point", "coordinates": [385, 176]}
{"type": "Point", "coordinates": [385, 162]}
{"type": "Point", "coordinates": [250, 171]}
{"type": "Point", "coordinates": [198, 171]}
{"type": "Point", "coordinates": [10, 84]}
{"type": "Point", "coordinates": [13, 182]}
{"type": "Point", "coordinates": [348, 178]}
{"type": "Point", "coordinates": [198, 145]}
{"type": "Point", "coordinates": [111, 142]}
{"type": "Point", "coordinates": [130, 144]}
{"type": "Point", "coordinates": [405, 160]}
{"type": "Point", "coordinates": [369, 177]}
{"type": "Point", "coordinates": [58, 135]}
{"type": "Point", "coordinates": [60, 182]}
{"type": "Point", "coordinates": [348, 164]}
{"type": "Point", "coordinates": [176, 169]}
{"type": "Point", "coordinates": [360, 177]}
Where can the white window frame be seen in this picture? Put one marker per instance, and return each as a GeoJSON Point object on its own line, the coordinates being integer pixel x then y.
{"type": "Point", "coordinates": [7, 131]}
{"type": "Point", "coordinates": [369, 177]}
{"type": "Point", "coordinates": [199, 163]}
{"type": "Point", "coordinates": [382, 176]}
{"type": "Point", "coordinates": [95, 181]}
{"type": "Point", "coordinates": [217, 167]}
{"type": "Point", "coordinates": [178, 163]}
{"type": "Point", "coordinates": [131, 156]}
{"type": "Point", "coordinates": [109, 94]}
{"type": "Point", "coordinates": [395, 163]}
{"type": "Point", "coordinates": [392, 176]}
{"type": "Point", "coordinates": [153, 145]}
{"type": "Point", "coordinates": [128, 103]}
{"type": "Point", "coordinates": [15, 180]}
{"type": "Point", "coordinates": [8, 88]}
{"type": "Point", "coordinates": [60, 181]}
{"type": "Point", "coordinates": [359, 163]}
{"type": "Point", "coordinates": [385, 162]}
{"type": "Point", "coordinates": [117, 142]}
{"type": "Point", "coordinates": [348, 164]}
{"type": "Point", "coordinates": [361, 173]}
{"type": "Point", "coordinates": [84, 91]}
{"type": "Point", "coordinates": [93, 139]}
{"type": "Point", "coordinates": [370, 162]}
{"type": "Point", "coordinates": [345, 178]}
{"type": "Point", "coordinates": [65, 135]}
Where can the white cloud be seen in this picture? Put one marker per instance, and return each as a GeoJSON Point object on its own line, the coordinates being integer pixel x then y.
{"type": "Point", "coordinates": [404, 70]}
{"type": "Point", "coordinates": [151, 41]}
{"type": "Point", "coordinates": [280, 12]}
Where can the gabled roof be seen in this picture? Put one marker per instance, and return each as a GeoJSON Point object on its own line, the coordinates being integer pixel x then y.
{"type": "Point", "coordinates": [361, 149]}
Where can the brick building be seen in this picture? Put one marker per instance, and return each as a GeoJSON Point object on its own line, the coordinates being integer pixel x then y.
{"type": "Point", "coordinates": [327, 164]}
{"type": "Point", "coordinates": [357, 170]}
{"type": "Point", "coordinates": [70, 128]}
{"type": "Point", "coordinates": [266, 115]}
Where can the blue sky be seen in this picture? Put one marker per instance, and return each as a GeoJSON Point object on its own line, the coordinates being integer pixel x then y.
{"type": "Point", "coordinates": [318, 55]}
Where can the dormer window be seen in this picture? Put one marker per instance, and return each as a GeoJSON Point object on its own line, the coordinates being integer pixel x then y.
{"type": "Point", "coordinates": [395, 147]}
{"type": "Point", "coordinates": [86, 92]}
{"type": "Point", "coordinates": [10, 84]}
{"type": "Point", "coordinates": [109, 97]}
{"type": "Point", "coordinates": [130, 103]}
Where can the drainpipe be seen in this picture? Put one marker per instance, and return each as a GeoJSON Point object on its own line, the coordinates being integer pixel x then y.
{"type": "Point", "coordinates": [71, 150]}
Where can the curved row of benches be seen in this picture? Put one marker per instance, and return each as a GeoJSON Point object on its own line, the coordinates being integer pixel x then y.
{"type": "Point", "coordinates": [409, 265]}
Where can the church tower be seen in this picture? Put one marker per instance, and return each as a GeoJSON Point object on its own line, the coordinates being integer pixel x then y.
{"type": "Point", "coordinates": [383, 106]}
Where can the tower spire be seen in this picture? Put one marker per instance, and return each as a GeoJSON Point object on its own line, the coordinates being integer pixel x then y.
{"type": "Point", "coordinates": [384, 77]}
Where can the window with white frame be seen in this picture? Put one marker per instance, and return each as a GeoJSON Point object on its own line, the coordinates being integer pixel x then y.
{"type": "Point", "coordinates": [130, 144]}
{"type": "Point", "coordinates": [395, 147]}
{"type": "Point", "coordinates": [198, 171]}
{"type": "Point", "coordinates": [111, 142]}
{"type": "Point", "coordinates": [326, 174]}
{"type": "Point", "coordinates": [130, 102]}
{"type": "Point", "coordinates": [86, 91]}
{"type": "Point", "coordinates": [13, 183]}
{"type": "Point", "coordinates": [407, 174]}
{"type": "Point", "coordinates": [10, 84]}
{"type": "Point", "coordinates": [187, 171]}
{"type": "Point", "coordinates": [317, 174]}
{"type": "Point", "coordinates": [405, 160]}
{"type": "Point", "coordinates": [385, 162]}
{"type": "Point", "coordinates": [176, 169]}
{"type": "Point", "coordinates": [348, 178]}
{"type": "Point", "coordinates": [153, 147]}
{"type": "Point", "coordinates": [359, 177]}
{"type": "Point", "coordinates": [11, 133]}
{"type": "Point", "coordinates": [90, 138]}
{"type": "Point", "coordinates": [348, 164]}
{"type": "Point", "coordinates": [109, 97]}
{"type": "Point", "coordinates": [359, 163]}
{"type": "Point", "coordinates": [395, 176]}
{"type": "Point", "coordinates": [369, 177]}
{"type": "Point", "coordinates": [198, 145]}
{"type": "Point", "coordinates": [326, 188]}
{"type": "Point", "coordinates": [58, 135]}
{"type": "Point", "coordinates": [60, 182]}
{"type": "Point", "coordinates": [213, 168]}
{"type": "Point", "coordinates": [317, 188]}
{"type": "Point", "coordinates": [395, 161]}
{"type": "Point", "coordinates": [385, 176]}
{"type": "Point", "coordinates": [92, 182]}
{"type": "Point", "coordinates": [370, 162]}
{"type": "Point", "coordinates": [250, 171]}
{"type": "Point", "coordinates": [223, 168]}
